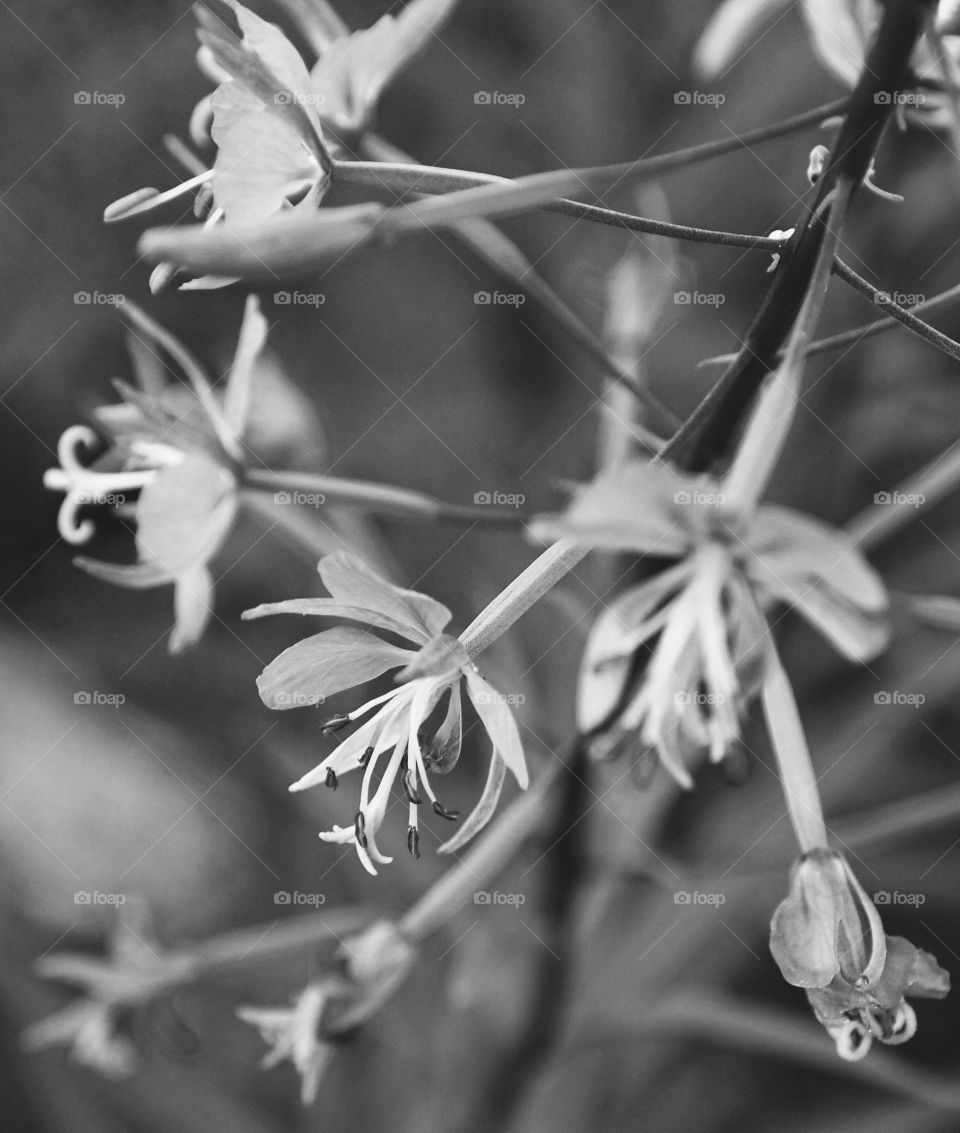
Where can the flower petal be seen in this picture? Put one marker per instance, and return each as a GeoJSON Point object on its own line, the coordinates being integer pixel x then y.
{"type": "Point", "coordinates": [192, 603]}
{"type": "Point", "coordinates": [351, 581]}
{"type": "Point", "coordinates": [250, 344]}
{"type": "Point", "coordinates": [135, 576]}
{"type": "Point", "coordinates": [639, 507]}
{"type": "Point", "coordinates": [324, 664]}
{"type": "Point", "coordinates": [481, 814]}
{"type": "Point", "coordinates": [730, 32]}
{"type": "Point", "coordinates": [185, 513]}
{"type": "Point", "coordinates": [330, 608]}
{"type": "Point", "coordinates": [497, 719]}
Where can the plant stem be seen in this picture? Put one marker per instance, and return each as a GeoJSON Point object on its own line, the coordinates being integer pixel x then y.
{"type": "Point", "coordinates": [709, 432]}
{"type": "Point", "coordinates": [384, 499]}
{"type": "Point", "coordinates": [433, 180]}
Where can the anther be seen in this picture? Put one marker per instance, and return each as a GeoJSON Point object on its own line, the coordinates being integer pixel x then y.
{"type": "Point", "coordinates": [360, 829]}
{"type": "Point", "coordinates": [413, 842]}
{"type": "Point", "coordinates": [331, 779]}
{"type": "Point", "coordinates": [334, 724]}
{"type": "Point", "coordinates": [450, 815]}
{"type": "Point", "coordinates": [365, 756]}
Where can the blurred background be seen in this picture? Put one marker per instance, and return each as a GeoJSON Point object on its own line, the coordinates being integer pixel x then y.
{"type": "Point", "coordinates": [178, 795]}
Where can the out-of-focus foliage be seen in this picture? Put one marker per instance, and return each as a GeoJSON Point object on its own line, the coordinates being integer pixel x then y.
{"type": "Point", "coordinates": [178, 794]}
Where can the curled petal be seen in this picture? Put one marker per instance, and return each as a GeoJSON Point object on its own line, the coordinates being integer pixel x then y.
{"type": "Point", "coordinates": [192, 603]}
{"type": "Point", "coordinates": [481, 814]}
{"type": "Point", "coordinates": [501, 727]}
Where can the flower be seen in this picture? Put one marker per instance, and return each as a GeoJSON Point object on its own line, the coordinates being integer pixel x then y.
{"type": "Point", "coordinates": [413, 728]}
{"type": "Point", "coordinates": [373, 964]}
{"type": "Point", "coordinates": [268, 115]}
{"type": "Point", "coordinates": [96, 1026]}
{"type": "Point", "coordinates": [294, 1033]}
{"type": "Point", "coordinates": [701, 617]}
{"type": "Point", "coordinates": [827, 937]}
{"type": "Point", "coordinates": [840, 32]}
{"type": "Point", "coordinates": [181, 452]}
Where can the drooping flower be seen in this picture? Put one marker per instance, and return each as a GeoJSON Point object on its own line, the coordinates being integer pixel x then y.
{"type": "Point", "coordinates": [180, 450]}
{"type": "Point", "coordinates": [673, 661]}
{"type": "Point", "coordinates": [827, 937]}
{"type": "Point", "coordinates": [840, 32]}
{"type": "Point", "coordinates": [407, 732]}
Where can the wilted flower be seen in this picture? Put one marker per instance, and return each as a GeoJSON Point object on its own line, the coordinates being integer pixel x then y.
{"type": "Point", "coordinates": [841, 32]}
{"type": "Point", "coordinates": [701, 615]}
{"type": "Point", "coordinates": [827, 937]}
{"type": "Point", "coordinates": [415, 727]}
{"type": "Point", "coordinates": [180, 450]}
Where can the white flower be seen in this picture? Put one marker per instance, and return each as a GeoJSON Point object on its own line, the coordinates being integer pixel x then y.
{"type": "Point", "coordinates": [408, 731]}
{"type": "Point", "coordinates": [181, 458]}
{"type": "Point", "coordinates": [701, 616]}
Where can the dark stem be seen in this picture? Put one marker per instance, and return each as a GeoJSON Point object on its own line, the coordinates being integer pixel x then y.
{"type": "Point", "coordinates": [706, 437]}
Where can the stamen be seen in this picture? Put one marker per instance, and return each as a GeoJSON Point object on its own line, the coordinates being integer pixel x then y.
{"type": "Point", "coordinates": [360, 829]}
{"type": "Point", "coordinates": [442, 812]}
{"type": "Point", "coordinates": [413, 842]}
{"type": "Point", "coordinates": [410, 788]}
{"type": "Point", "coordinates": [332, 779]}
{"type": "Point", "coordinates": [334, 724]}
{"type": "Point", "coordinates": [365, 755]}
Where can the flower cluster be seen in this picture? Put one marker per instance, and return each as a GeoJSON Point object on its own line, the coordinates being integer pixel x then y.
{"type": "Point", "coordinates": [407, 732]}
